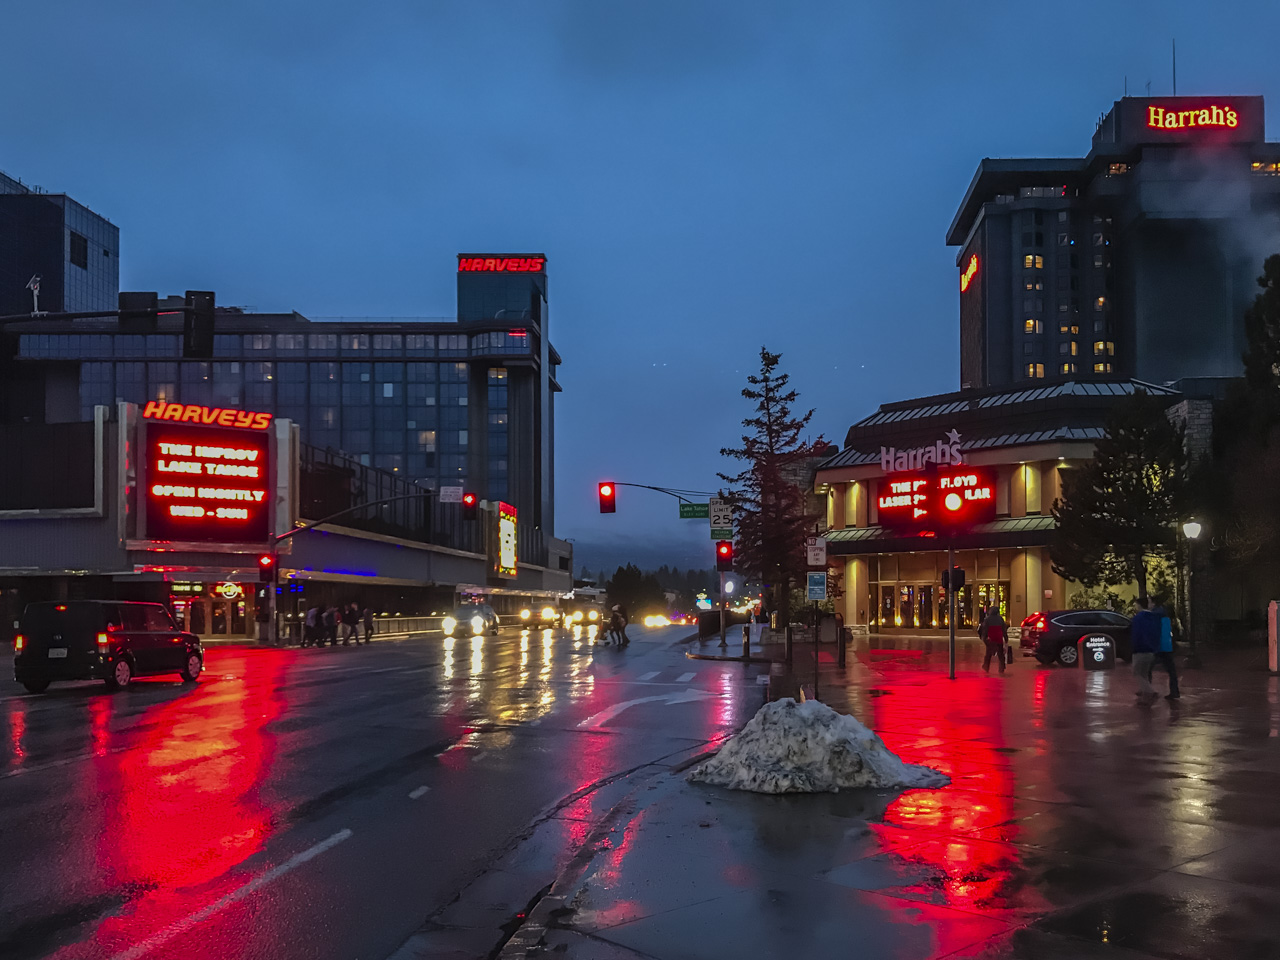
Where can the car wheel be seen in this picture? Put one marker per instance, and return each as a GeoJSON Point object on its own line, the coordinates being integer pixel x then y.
{"type": "Point", "coordinates": [121, 675]}
{"type": "Point", "coordinates": [1068, 655]}
{"type": "Point", "coordinates": [36, 686]}
{"type": "Point", "coordinates": [190, 671]}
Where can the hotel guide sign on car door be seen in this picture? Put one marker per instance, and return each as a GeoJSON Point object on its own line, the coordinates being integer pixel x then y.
{"type": "Point", "coordinates": [205, 473]}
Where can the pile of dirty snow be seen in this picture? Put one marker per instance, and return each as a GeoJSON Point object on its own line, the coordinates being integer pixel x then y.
{"type": "Point", "coordinates": [791, 747]}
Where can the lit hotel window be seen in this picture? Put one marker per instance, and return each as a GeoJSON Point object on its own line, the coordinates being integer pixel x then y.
{"type": "Point", "coordinates": [1099, 303]}
{"type": "Point", "coordinates": [1035, 284]}
{"type": "Point", "coordinates": [1072, 348]}
{"type": "Point", "coordinates": [1031, 261]}
{"type": "Point", "coordinates": [1067, 368]}
{"type": "Point", "coordinates": [1102, 368]}
{"type": "Point", "coordinates": [1271, 168]}
{"type": "Point", "coordinates": [1035, 370]}
{"type": "Point", "coordinates": [1070, 328]}
{"type": "Point", "coordinates": [1115, 168]}
{"type": "Point", "coordinates": [1032, 326]}
{"type": "Point", "coordinates": [1104, 348]}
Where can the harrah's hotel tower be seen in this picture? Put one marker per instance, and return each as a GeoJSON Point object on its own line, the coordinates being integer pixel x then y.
{"type": "Point", "coordinates": [1135, 261]}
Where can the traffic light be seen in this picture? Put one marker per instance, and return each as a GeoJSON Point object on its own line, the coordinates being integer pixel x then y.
{"type": "Point", "coordinates": [608, 497]}
{"type": "Point", "coordinates": [724, 554]}
{"type": "Point", "coordinates": [470, 503]}
{"type": "Point", "coordinates": [267, 568]}
{"type": "Point", "coordinates": [955, 579]}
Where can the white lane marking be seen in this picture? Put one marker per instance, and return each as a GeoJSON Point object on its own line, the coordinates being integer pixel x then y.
{"type": "Point", "coordinates": [685, 677]}
{"type": "Point", "coordinates": [419, 792]}
{"type": "Point", "coordinates": [604, 716]}
{"type": "Point", "coordinates": [646, 677]}
{"type": "Point", "coordinates": [257, 883]}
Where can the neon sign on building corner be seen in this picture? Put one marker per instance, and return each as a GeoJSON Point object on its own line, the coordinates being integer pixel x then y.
{"type": "Point", "coordinates": [208, 416]}
{"type": "Point", "coordinates": [970, 272]}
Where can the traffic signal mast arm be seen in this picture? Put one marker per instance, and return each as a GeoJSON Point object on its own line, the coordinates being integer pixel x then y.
{"type": "Point", "coordinates": [678, 494]}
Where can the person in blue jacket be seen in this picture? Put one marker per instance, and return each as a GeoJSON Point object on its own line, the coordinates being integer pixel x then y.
{"type": "Point", "coordinates": [1164, 654]}
{"type": "Point", "coordinates": [1144, 637]}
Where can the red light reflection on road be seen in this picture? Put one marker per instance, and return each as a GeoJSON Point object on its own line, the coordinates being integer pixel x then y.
{"type": "Point", "coordinates": [190, 797]}
{"type": "Point", "coordinates": [955, 727]}
{"type": "Point", "coordinates": [17, 730]}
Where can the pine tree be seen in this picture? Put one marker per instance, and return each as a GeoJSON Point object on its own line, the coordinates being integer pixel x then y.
{"type": "Point", "coordinates": [769, 508]}
{"type": "Point", "coordinates": [1118, 511]}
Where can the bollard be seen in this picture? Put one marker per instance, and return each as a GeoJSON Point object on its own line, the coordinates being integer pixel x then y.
{"type": "Point", "coordinates": [787, 634]}
{"type": "Point", "coordinates": [746, 639]}
{"type": "Point", "coordinates": [841, 650]}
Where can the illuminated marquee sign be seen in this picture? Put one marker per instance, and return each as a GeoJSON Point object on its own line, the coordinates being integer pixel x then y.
{"type": "Point", "coordinates": [501, 264]}
{"type": "Point", "coordinates": [206, 484]}
{"type": "Point", "coordinates": [206, 416]}
{"type": "Point", "coordinates": [1158, 118]}
{"type": "Point", "coordinates": [970, 272]}
{"type": "Point", "coordinates": [944, 500]}
{"type": "Point", "coordinates": [946, 451]}
{"type": "Point", "coordinates": [507, 552]}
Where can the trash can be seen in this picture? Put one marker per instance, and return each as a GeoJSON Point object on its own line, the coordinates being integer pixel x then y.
{"type": "Point", "coordinates": [1098, 652]}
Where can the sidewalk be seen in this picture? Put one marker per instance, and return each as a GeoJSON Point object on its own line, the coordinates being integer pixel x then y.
{"type": "Point", "coordinates": [1078, 824]}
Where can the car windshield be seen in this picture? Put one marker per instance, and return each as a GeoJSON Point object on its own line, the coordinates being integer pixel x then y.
{"type": "Point", "coordinates": [466, 613]}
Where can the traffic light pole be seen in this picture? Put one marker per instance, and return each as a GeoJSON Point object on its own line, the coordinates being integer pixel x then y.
{"type": "Point", "coordinates": [724, 611]}
{"type": "Point", "coordinates": [951, 605]}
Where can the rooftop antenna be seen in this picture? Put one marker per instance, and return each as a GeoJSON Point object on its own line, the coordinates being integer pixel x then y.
{"type": "Point", "coordinates": [1175, 67]}
{"type": "Point", "coordinates": [1148, 88]}
{"type": "Point", "coordinates": [34, 286]}
{"type": "Point", "coordinates": [1126, 84]}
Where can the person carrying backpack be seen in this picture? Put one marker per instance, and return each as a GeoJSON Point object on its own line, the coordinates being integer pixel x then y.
{"type": "Point", "coordinates": [1164, 655]}
{"type": "Point", "coordinates": [992, 632]}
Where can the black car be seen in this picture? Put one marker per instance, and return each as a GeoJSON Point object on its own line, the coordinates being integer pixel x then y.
{"type": "Point", "coordinates": [1054, 636]}
{"type": "Point", "coordinates": [472, 619]}
{"type": "Point", "coordinates": [112, 641]}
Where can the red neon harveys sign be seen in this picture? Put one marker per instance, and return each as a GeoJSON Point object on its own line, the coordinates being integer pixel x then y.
{"type": "Point", "coordinates": [501, 264]}
{"type": "Point", "coordinates": [206, 416]}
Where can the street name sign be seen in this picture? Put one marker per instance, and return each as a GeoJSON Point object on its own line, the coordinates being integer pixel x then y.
{"type": "Point", "coordinates": [695, 511]}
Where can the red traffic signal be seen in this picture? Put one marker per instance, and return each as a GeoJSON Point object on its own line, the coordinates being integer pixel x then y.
{"type": "Point", "coordinates": [469, 504]}
{"type": "Point", "coordinates": [266, 568]}
{"type": "Point", "coordinates": [608, 497]}
{"type": "Point", "coordinates": [724, 554]}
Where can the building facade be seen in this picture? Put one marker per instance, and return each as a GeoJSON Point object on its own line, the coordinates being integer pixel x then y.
{"type": "Point", "coordinates": [1136, 261]}
{"type": "Point", "coordinates": [74, 252]}
{"type": "Point", "coordinates": [1019, 441]}
{"type": "Point", "coordinates": [441, 403]}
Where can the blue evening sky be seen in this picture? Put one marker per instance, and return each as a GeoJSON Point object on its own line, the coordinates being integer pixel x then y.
{"type": "Point", "coordinates": [704, 177]}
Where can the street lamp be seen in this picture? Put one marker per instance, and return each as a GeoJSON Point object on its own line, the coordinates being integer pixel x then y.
{"type": "Point", "coordinates": [728, 586]}
{"type": "Point", "coordinates": [1191, 529]}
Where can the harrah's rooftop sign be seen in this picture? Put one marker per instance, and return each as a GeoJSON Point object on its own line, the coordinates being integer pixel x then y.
{"type": "Point", "coordinates": [945, 451]}
{"type": "Point", "coordinates": [1158, 118]}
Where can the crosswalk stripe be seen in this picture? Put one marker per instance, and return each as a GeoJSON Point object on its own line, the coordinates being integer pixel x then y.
{"type": "Point", "coordinates": [646, 677]}
{"type": "Point", "coordinates": [685, 677]}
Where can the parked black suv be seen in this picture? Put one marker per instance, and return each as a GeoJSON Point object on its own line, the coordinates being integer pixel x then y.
{"type": "Point", "coordinates": [113, 641]}
{"type": "Point", "coordinates": [1056, 634]}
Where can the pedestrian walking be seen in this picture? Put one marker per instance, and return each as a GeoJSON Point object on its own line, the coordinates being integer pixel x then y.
{"type": "Point", "coordinates": [349, 620]}
{"type": "Point", "coordinates": [330, 621]}
{"type": "Point", "coordinates": [311, 625]}
{"type": "Point", "coordinates": [368, 624]}
{"type": "Point", "coordinates": [623, 639]}
{"type": "Point", "coordinates": [1144, 637]}
{"type": "Point", "coordinates": [993, 631]}
{"type": "Point", "coordinates": [1164, 655]}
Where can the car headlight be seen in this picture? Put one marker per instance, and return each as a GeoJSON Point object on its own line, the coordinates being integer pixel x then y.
{"type": "Point", "coordinates": [548, 613]}
{"type": "Point", "coordinates": [449, 624]}
{"type": "Point", "coordinates": [577, 615]}
{"type": "Point", "coordinates": [524, 614]}
{"type": "Point", "coordinates": [477, 624]}
{"type": "Point", "coordinates": [594, 615]}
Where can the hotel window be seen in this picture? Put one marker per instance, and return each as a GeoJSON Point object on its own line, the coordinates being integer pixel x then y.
{"type": "Point", "coordinates": [1064, 239]}
{"type": "Point", "coordinates": [1034, 283]}
{"type": "Point", "coordinates": [1099, 303]}
{"type": "Point", "coordinates": [1104, 348]}
{"type": "Point", "coordinates": [79, 251]}
{"type": "Point", "coordinates": [1117, 168]}
{"type": "Point", "coordinates": [290, 342]}
{"type": "Point", "coordinates": [420, 344]}
{"type": "Point", "coordinates": [1070, 328]}
{"type": "Point", "coordinates": [1032, 326]}
{"type": "Point", "coordinates": [1062, 216]}
{"type": "Point", "coordinates": [1271, 168]}
{"type": "Point", "coordinates": [1067, 368]}
{"type": "Point", "coordinates": [1071, 348]}
{"type": "Point", "coordinates": [258, 341]}
{"type": "Point", "coordinates": [1029, 349]}
{"type": "Point", "coordinates": [354, 342]}
{"type": "Point", "coordinates": [1099, 240]}
{"type": "Point", "coordinates": [386, 344]}
{"type": "Point", "coordinates": [1102, 368]}
{"type": "Point", "coordinates": [1032, 262]}
{"type": "Point", "coordinates": [1035, 371]}
{"type": "Point", "coordinates": [324, 342]}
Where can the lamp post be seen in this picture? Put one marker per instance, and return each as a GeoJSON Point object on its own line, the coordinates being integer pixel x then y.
{"type": "Point", "coordinates": [1191, 530]}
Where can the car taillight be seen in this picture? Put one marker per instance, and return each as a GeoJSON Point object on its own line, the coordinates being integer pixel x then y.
{"type": "Point", "coordinates": [103, 641]}
{"type": "Point", "coordinates": [19, 641]}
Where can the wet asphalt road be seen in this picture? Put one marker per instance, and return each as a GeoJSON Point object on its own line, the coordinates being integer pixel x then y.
{"type": "Point", "coordinates": [319, 803]}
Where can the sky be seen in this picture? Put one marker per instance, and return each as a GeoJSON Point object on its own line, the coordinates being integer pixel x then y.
{"type": "Point", "coordinates": [706, 178]}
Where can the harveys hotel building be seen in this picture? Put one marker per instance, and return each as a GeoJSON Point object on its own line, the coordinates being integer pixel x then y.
{"type": "Point", "coordinates": [1080, 281]}
{"type": "Point", "coordinates": [164, 450]}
